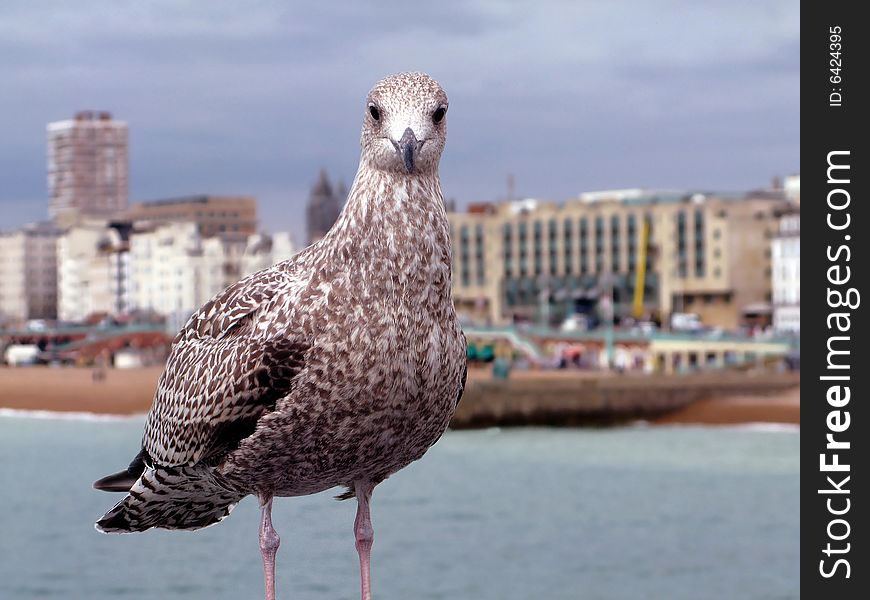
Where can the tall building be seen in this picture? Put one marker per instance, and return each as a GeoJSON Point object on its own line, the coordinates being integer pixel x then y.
{"type": "Point", "coordinates": [324, 206]}
{"type": "Point", "coordinates": [28, 273]}
{"type": "Point", "coordinates": [786, 272]}
{"type": "Point", "coordinates": [231, 217]}
{"type": "Point", "coordinates": [87, 165]}
{"type": "Point", "coordinates": [539, 261]}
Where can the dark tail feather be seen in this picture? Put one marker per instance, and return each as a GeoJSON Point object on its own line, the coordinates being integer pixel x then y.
{"type": "Point", "coordinates": [171, 498]}
{"type": "Point", "coordinates": [122, 481]}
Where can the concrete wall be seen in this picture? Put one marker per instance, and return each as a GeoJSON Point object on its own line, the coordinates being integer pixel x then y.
{"type": "Point", "coordinates": [549, 399]}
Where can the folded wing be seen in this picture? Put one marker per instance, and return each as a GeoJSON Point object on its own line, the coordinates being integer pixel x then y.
{"type": "Point", "coordinates": [228, 366]}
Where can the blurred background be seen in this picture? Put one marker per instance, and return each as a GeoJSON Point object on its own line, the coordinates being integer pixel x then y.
{"type": "Point", "coordinates": [622, 184]}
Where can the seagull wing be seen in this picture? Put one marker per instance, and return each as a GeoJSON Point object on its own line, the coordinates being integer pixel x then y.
{"type": "Point", "coordinates": [223, 373]}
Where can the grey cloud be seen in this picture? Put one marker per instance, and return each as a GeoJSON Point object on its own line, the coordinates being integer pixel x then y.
{"type": "Point", "coordinates": [255, 99]}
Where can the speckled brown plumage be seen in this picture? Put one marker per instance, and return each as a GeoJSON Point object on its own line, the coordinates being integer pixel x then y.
{"type": "Point", "coordinates": [342, 364]}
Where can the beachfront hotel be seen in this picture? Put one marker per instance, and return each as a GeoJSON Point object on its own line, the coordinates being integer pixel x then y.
{"type": "Point", "coordinates": [708, 254]}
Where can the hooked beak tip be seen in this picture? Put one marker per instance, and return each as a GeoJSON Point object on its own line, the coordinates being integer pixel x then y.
{"type": "Point", "coordinates": [407, 147]}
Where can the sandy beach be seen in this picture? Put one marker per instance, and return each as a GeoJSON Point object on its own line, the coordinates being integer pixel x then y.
{"type": "Point", "coordinates": [71, 389]}
{"type": "Point", "coordinates": [780, 408]}
{"type": "Point", "coordinates": [130, 391]}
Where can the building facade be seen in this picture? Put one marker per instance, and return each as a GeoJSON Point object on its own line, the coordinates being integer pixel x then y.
{"type": "Point", "coordinates": [170, 262]}
{"type": "Point", "coordinates": [174, 269]}
{"type": "Point", "coordinates": [93, 269]}
{"type": "Point", "coordinates": [232, 217]}
{"type": "Point", "coordinates": [792, 188]}
{"type": "Point", "coordinates": [542, 262]}
{"type": "Point", "coordinates": [786, 273]}
{"type": "Point", "coordinates": [28, 273]}
{"type": "Point", "coordinates": [87, 165]}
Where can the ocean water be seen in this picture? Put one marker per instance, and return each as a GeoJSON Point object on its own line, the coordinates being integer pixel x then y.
{"type": "Point", "coordinates": [633, 513]}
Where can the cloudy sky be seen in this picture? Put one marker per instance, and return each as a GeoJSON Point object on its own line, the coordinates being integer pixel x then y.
{"type": "Point", "coordinates": [255, 97]}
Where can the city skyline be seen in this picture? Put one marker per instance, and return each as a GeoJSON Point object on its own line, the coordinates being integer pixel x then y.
{"type": "Point", "coordinates": [226, 101]}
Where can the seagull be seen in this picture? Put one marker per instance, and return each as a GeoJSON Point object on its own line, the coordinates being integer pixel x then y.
{"type": "Point", "coordinates": [337, 367]}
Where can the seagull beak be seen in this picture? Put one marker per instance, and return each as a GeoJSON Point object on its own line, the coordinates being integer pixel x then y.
{"type": "Point", "coordinates": [408, 147]}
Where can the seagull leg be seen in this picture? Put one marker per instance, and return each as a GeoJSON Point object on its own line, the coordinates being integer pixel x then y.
{"type": "Point", "coordinates": [269, 542]}
{"type": "Point", "coordinates": [364, 534]}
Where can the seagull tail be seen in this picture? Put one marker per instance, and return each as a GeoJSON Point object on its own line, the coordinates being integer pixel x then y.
{"type": "Point", "coordinates": [171, 498]}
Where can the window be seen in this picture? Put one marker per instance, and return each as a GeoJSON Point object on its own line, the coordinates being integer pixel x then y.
{"type": "Point", "coordinates": [523, 232]}
{"type": "Point", "coordinates": [682, 253]}
{"type": "Point", "coordinates": [508, 243]}
{"type": "Point", "coordinates": [479, 253]}
{"type": "Point", "coordinates": [538, 228]}
{"type": "Point", "coordinates": [567, 244]}
{"type": "Point", "coordinates": [599, 244]}
{"type": "Point", "coordinates": [463, 252]}
{"type": "Point", "coordinates": [614, 244]}
{"type": "Point", "coordinates": [700, 266]}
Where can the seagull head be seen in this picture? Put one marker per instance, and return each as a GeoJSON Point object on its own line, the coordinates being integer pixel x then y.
{"type": "Point", "coordinates": [405, 124]}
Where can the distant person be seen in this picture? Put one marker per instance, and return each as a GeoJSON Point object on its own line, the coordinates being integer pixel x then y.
{"type": "Point", "coordinates": [100, 362]}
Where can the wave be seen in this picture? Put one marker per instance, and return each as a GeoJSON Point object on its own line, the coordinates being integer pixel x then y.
{"type": "Point", "coordinates": [769, 427]}
{"type": "Point", "coordinates": [759, 426]}
{"type": "Point", "coordinates": [21, 413]}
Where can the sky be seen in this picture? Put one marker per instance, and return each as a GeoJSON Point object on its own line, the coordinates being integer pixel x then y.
{"type": "Point", "coordinates": [256, 97]}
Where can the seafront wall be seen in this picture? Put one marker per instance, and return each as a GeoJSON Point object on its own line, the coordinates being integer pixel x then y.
{"type": "Point", "coordinates": [558, 398]}
{"type": "Point", "coordinates": [564, 399]}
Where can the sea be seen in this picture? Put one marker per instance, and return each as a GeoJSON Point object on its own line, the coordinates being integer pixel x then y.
{"type": "Point", "coordinates": [632, 513]}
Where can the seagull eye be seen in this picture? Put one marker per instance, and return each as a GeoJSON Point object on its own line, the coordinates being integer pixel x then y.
{"type": "Point", "coordinates": [438, 114]}
{"type": "Point", "coordinates": [374, 112]}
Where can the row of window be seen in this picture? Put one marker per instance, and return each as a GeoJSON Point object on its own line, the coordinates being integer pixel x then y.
{"type": "Point", "coordinates": [479, 255]}
{"type": "Point", "coordinates": [599, 225]}
{"type": "Point", "coordinates": [516, 256]}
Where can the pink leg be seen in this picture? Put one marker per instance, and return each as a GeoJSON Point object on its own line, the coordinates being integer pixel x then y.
{"type": "Point", "coordinates": [269, 542]}
{"type": "Point", "coordinates": [365, 535]}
